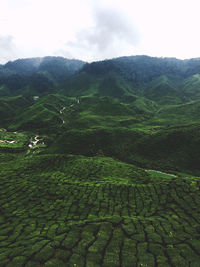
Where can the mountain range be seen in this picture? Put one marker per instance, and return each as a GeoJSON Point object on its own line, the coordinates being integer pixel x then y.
{"type": "Point", "coordinates": [99, 162]}
{"type": "Point", "coordinates": [150, 104]}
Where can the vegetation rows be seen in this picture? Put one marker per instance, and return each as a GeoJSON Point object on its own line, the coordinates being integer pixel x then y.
{"type": "Point", "coordinates": [71, 139]}
{"type": "Point", "coordinates": [53, 218]}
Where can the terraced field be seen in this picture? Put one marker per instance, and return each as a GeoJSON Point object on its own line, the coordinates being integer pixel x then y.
{"type": "Point", "coordinates": [53, 218]}
{"type": "Point", "coordinates": [70, 134]}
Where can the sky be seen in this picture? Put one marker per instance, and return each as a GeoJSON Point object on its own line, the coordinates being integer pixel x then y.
{"type": "Point", "coordinates": [93, 30]}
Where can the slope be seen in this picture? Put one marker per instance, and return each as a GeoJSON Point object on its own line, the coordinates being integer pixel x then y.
{"type": "Point", "coordinates": [42, 115]}
{"type": "Point", "coordinates": [56, 212]}
{"type": "Point", "coordinates": [35, 75]}
{"type": "Point", "coordinates": [163, 80]}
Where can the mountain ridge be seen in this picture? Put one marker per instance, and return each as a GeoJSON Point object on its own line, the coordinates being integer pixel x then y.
{"type": "Point", "coordinates": [99, 163]}
{"type": "Point", "coordinates": [133, 99]}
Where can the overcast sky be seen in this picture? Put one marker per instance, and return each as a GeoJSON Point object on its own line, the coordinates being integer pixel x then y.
{"type": "Point", "coordinates": [97, 29]}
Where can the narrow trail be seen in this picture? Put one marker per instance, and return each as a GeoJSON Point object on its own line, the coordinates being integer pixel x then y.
{"type": "Point", "coordinates": [170, 174]}
{"type": "Point", "coordinates": [70, 106]}
{"type": "Point", "coordinates": [61, 111]}
{"type": "Point", "coordinates": [8, 141]}
{"type": "Point", "coordinates": [3, 130]}
{"type": "Point", "coordinates": [34, 143]}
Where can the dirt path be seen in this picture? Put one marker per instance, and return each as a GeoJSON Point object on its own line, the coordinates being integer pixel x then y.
{"type": "Point", "coordinates": [163, 173]}
{"type": "Point", "coordinates": [34, 143]}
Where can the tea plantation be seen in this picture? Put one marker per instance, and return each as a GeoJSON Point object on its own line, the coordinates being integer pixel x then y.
{"type": "Point", "coordinates": [65, 210]}
{"type": "Point", "coordinates": [99, 163]}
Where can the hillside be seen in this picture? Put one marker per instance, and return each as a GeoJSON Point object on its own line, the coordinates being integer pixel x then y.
{"type": "Point", "coordinates": [164, 80]}
{"type": "Point", "coordinates": [99, 162]}
{"type": "Point", "coordinates": [35, 75]}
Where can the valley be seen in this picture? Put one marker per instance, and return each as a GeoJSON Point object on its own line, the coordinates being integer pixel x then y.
{"type": "Point", "coordinates": [103, 167]}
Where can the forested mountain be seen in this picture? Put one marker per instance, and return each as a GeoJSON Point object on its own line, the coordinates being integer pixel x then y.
{"type": "Point", "coordinates": [99, 162]}
{"type": "Point", "coordinates": [161, 79]}
{"type": "Point", "coordinates": [120, 98]}
{"type": "Point", "coordinates": [176, 81]}
{"type": "Point", "coordinates": [128, 98]}
{"type": "Point", "coordinates": [36, 75]}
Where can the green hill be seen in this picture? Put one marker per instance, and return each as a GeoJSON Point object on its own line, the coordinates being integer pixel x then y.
{"type": "Point", "coordinates": [99, 162]}
{"type": "Point", "coordinates": [174, 148]}
{"type": "Point", "coordinates": [11, 106]}
{"type": "Point", "coordinates": [65, 210]}
{"type": "Point", "coordinates": [182, 114]}
{"type": "Point", "coordinates": [191, 87]}
{"type": "Point", "coordinates": [43, 114]}
{"type": "Point", "coordinates": [35, 75]}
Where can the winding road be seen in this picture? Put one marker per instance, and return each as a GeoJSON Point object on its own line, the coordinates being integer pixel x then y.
{"type": "Point", "coordinates": [34, 143]}
{"type": "Point", "coordinates": [62, 109]}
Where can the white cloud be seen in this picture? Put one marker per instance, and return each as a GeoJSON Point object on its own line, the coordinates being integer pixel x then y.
{"type": "Point", "coordinates": [94, 29]}
{"type": "Point", "coordinates": [110, 36]}
{"type": "Point", "coordinates": [8, 49]}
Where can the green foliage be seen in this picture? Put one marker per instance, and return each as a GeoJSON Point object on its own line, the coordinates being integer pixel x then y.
{"type": "Point", "coordinates": [36, 75]}
{"type": "Point", "coordinates": [173, 148]}
{"type": "Point", "coordinates": [11, 106]}
{"type": "Point", "coordinates": [64, 209]}
{"type": "Point", "coordinates": [78, 197]}
{"type": "Point", "coordinates": [43, 114]}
